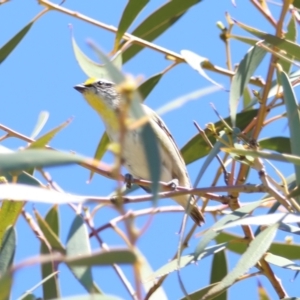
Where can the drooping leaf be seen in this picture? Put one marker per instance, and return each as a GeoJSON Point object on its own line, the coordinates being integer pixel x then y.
{"type": "Point", "coordinates": [196, 62]}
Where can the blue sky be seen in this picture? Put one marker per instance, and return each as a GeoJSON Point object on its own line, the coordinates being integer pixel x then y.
{"type": "Point", "coordinates": [39, 76]}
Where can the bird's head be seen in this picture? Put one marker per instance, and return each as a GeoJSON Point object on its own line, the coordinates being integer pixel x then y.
{"type": "Point", "coordinates": [102, 96]}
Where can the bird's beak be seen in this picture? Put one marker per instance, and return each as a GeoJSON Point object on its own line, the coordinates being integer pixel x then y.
{"type": "Point", "coordinates": [80, 88]}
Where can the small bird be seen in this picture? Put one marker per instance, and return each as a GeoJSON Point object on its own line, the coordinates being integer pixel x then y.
{"type": "Point", "coordinates": [103, 96]}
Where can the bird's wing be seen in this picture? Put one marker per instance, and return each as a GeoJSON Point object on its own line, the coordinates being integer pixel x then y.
{"type": "Point", "coordinates": [168, 143]}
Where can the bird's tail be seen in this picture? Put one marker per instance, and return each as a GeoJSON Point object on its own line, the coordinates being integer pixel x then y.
{"type": "Point", "coordinates": [196, 214]}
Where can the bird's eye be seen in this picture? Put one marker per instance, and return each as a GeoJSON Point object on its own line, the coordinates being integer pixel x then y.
{"type": "Point", "coordinates": [104, 84]}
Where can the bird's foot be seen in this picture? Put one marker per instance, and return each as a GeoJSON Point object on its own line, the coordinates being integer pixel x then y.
{"type": "Point", "coordinates": [173, 184]}
{"type": "Point", "coordinates": [128, 179]}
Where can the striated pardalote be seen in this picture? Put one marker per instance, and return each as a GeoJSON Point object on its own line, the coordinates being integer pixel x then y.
{"type": "Point", "coordinates": [102, 95]}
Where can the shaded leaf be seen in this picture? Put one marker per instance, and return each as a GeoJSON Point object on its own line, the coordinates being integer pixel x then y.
{"type": "Point", "coordinates": [157, 23]}
{"type": "Point", "coordinates": [101, 149]}
{"type": "Point", "coordinates": [13, 42]}
{"type": "Point", "coordinates": [197, 148]}
{"type": "Point", "coordinates": [130, 12]}
{"type": "Point", "coordinates": [278, 143]}
{"type": "Point", "coordinates": [7, 251]}
{"type": "Point", "coordinates": [218, 271]}
{"type": "Point", "coordinates": [147, 86]}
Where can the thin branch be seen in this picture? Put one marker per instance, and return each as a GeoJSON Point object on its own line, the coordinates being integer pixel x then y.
{"type": "Point", "coordinates": [129, 37]}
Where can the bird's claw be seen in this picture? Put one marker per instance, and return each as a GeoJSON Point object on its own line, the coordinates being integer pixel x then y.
{"type": "Point", "coordinates": [128, 179]}
{"type": "Point", "coordinates": [173, 184]}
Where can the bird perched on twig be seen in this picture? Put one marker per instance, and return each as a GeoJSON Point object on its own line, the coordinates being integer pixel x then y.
{"type": "Point", "coordinates": [103, 96]}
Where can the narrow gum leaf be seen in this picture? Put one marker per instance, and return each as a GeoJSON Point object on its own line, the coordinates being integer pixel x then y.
{"type": "Point", "coordinates": [13, 42]}
{"type": "Point", "coordinates": [248, 259]}
{"type": "Point", "coordinates": [36, 158]}
{"type": "Point", "coordinates": [42, 120]}
{"type": "Point", "coordinates": [131, 11]}
{"type": "Point", "coordinates": [219, 270]}
{"type": "Point", "coordinates": [100, 151]}
{"type": "Point", "coordinates": [290, 47]}
{"type": "Point", "coordinates": [240, 80]}
{"type": "Point", "coordinates": [91, 68]}
{"type": "Point", "coordinates": [51, 286]}
{"type": "Point", "coordinates": [293, 116]}
{"type": "Point", "coordinates": [195, 61]}
{"type": "Point", "coordinates": [197, 147]}
{"type": "Point", "coordinates": [7, 251]}
{"type": "Point", "coordinates": [291, 251]}
{"type": "Point", "coordinates": [77, 245]}
{"type": "Point", "coordinates": [157, 23]}
{"type": "Point", "coordinates": [47, 137]}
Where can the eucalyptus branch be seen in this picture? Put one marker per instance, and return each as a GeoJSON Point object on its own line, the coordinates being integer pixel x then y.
{"type": "Point", "coordinates": [141, 42]}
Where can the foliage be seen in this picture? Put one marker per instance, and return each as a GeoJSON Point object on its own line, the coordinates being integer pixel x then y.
{"type": "Point", "coordinates": [234, 141]}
